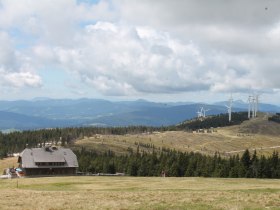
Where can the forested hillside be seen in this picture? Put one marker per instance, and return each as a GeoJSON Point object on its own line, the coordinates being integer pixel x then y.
{"type": "Point", "coordinates": [17, 141]}
{"type": "Point", "coordinates": [220, 120]}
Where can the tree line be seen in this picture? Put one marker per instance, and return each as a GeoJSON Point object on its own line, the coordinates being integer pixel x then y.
{"type": "Point", "coordinates": [275, 118]}
{"type": "Point", "coordinates": [178, 164]}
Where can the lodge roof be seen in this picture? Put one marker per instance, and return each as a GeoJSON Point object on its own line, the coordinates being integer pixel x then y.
{"type": "Point", "coordinates": [31, 157]}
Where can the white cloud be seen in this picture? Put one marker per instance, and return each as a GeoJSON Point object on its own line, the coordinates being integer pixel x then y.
{"type": "Point", "coordinates": [178, 13]}
{"type": "Point", "coordinates": [7, 53]}
{"type": "Point", "coordinates": [130, 47]}
{"type": "Point", "coordinates": [15, 69]}
{"type": "Point", "coordinates": [118, 59]}
{"type": "Point", "coordinates": [21, 79]}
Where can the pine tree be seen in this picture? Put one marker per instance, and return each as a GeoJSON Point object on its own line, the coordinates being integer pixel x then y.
{"type": "Point", "coordinates": [246, 163]}
{"type": "Point", "coordinates": [254, 168]}
{"type": "Point", "coordinates": [274, 160]}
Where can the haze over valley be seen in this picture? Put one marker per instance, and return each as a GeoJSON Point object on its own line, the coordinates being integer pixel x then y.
{"type": "Point", "coordinates": [51, 113]}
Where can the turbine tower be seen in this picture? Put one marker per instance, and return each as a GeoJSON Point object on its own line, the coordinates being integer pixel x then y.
{"type": "Point", "coordinates": [249, 107]}
{"type": "Point", "coordinates": [199, 113]}
{"type": "Point", "coordinates": [229, 107]}
{"type": "Point", "coordinates": [253, 106]}
{"type": "Point", "coordinates": [256, 104]}
{"type": "Point", "coordinates": [204, 112]}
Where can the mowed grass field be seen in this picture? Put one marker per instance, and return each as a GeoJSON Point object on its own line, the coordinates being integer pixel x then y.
{"type": "Point", "coordinates": [54, 193]}
{"type": "Point", "coordinates": [257, 134]}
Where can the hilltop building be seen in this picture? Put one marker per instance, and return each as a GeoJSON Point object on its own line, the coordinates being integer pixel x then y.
{"type": "Point", "coordinates": [48, 161]}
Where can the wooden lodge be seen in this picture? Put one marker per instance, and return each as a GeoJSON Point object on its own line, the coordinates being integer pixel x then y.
{"type": "Point", "coordinates": [48, 161]}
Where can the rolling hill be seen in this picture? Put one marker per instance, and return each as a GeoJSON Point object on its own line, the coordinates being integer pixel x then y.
{"type": "Point", "coordinates": [259, 134]}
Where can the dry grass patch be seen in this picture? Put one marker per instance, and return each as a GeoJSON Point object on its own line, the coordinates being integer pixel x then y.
{"type": "Point", "coordinates": [139, 193]}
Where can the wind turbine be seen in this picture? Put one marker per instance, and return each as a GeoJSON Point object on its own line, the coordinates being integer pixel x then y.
{"type": "Point", "coordinates": [199, 114]}
{"type": "Point", "coordinates": [204, 112]}
{"type": "Point", "coordinates": [256, 104]}
{"type": "Point", "coordinates": [253, 106]}
{"type": "Point", "coordinates": [229, 107]}
{"type": "Point", "coordinates": [249, 106]}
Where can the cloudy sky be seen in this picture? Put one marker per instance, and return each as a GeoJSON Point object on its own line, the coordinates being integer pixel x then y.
{"type": "Point", "coordinates": [160, 50]}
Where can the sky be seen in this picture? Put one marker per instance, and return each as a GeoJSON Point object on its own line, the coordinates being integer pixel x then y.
{"type": "Point", "coordinates": [160, 50]}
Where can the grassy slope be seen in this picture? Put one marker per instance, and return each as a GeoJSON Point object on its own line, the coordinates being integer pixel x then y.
{"type": "Point", "coordinates": [8, 163]}
{"type": "Point", "coordinates": [257, 134]}
{"type": "Point", "coordinates": [138, 193]}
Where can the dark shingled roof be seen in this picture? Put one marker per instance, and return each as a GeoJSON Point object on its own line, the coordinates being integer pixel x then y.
{"type": "Point", "coordinates": [45, 155]}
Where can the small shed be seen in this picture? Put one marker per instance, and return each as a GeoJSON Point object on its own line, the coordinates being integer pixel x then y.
{"type": "Point", "coordinates": [48, 161]}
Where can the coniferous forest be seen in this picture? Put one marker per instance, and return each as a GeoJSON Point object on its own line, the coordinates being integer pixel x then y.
{"type": "Point", "coordinates": [179, 164]}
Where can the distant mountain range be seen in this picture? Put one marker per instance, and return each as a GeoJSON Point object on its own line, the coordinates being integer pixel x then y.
{"type": "Point", "coordinates": [49, 113]}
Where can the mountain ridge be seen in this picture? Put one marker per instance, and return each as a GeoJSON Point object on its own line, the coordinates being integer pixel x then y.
{"type": "Point", "coordinates": [45, 113]}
